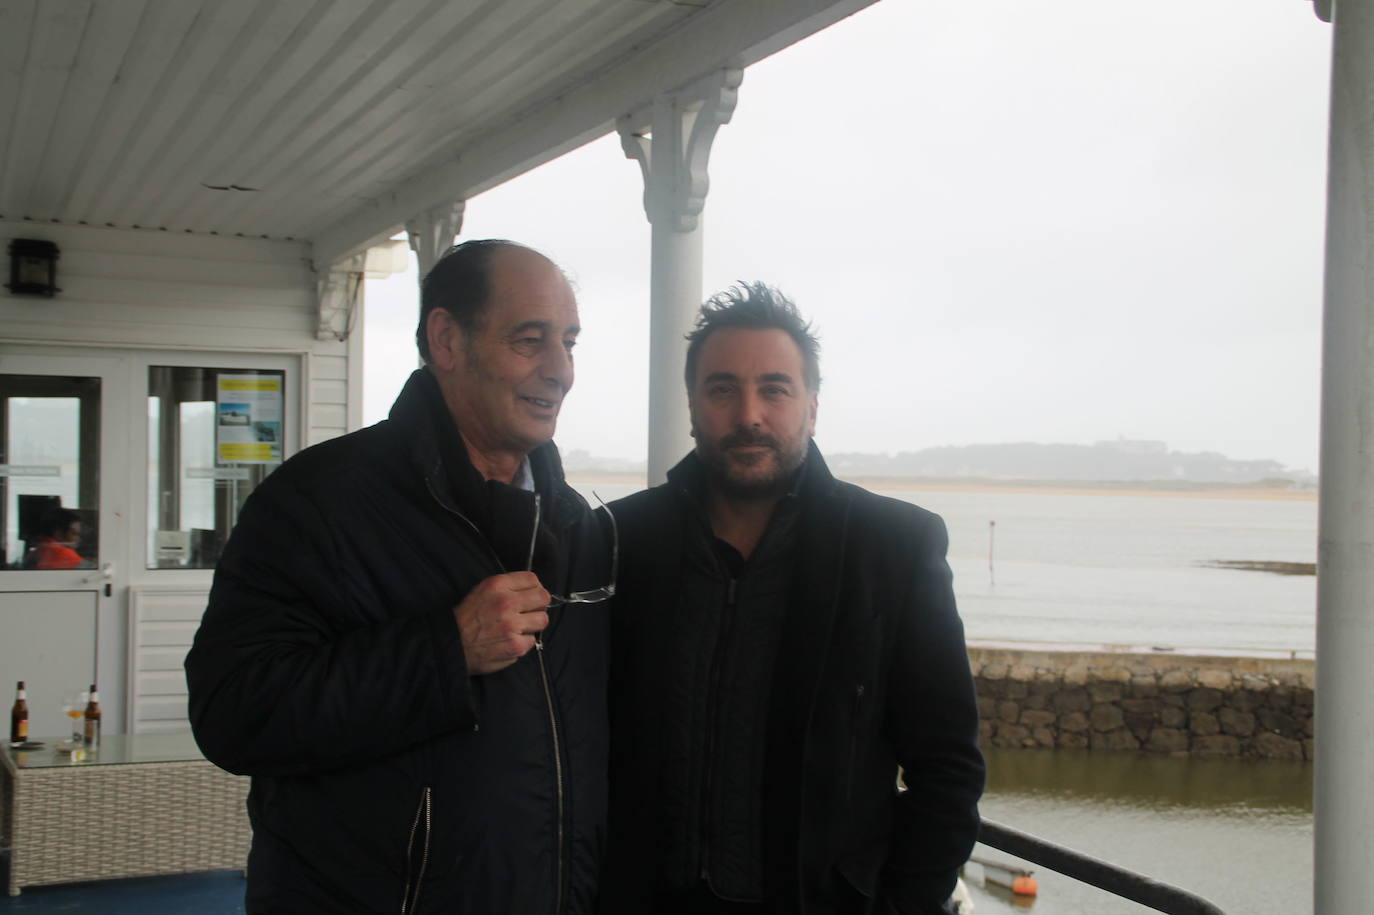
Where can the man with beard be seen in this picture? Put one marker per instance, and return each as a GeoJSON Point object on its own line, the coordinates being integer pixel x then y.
{"type": "Point", "coordinates": [782, 643]}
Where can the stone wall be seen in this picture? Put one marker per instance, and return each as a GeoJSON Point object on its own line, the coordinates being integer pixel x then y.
{"type": "Point", "coordinates": [1156, 703]}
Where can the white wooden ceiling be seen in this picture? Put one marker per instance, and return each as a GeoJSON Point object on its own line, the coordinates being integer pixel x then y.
{"type": "Point", "coordinates": [333, 120]}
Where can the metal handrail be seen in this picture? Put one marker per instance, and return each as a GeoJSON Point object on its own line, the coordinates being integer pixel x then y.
{"type": "Point", "coordinates": [1115, 880]}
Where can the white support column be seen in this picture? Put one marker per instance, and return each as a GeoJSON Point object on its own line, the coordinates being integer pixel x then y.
{"type": "Point", "coordinates": [671, 139]}
{"type": "Point", "coordinates": [1344, 801]}
{"type": "Point", "coordinates": [432, 233]}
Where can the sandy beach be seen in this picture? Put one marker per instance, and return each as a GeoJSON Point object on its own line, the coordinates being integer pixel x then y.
{"type": "Point", "coordinates": [1168, 489]}
{"type": "Point", "coordinates": [1071, 487]}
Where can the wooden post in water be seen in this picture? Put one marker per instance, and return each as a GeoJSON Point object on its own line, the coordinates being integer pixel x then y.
{"type": "Point", "coordinates": [992, 528]}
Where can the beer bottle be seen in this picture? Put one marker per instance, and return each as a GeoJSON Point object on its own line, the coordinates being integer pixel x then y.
{"type": "Point", "coordinates": [19, 715]}
{"type": "Point", "coordinates": [92, 721]}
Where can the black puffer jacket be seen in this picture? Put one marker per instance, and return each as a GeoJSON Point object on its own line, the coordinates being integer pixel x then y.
{"type": "Point", "coordinates": [329, 667]}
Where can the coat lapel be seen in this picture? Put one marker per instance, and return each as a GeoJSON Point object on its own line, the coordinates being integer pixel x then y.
{"type": "Point", "coordinates": [802, 654]}
{"type": "Point", "coordinates": [806, 634]}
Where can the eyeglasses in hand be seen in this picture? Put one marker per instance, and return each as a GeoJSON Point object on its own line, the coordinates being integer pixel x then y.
{"type": "Point", "coordinates": [595, 595]}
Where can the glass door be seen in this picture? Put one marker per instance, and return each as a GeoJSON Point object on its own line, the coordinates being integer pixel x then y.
{"type": "Point", "coordinates": [63, 467]}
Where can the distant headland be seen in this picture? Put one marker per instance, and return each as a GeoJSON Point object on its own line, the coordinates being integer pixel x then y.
{"type": "Point", "coordinates": [1122, 465]}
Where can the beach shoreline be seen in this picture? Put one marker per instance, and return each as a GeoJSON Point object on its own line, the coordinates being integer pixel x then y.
{"type": "Point", "coordinates": [1135, 489]}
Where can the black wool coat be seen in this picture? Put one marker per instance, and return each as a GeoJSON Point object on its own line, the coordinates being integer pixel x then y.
{"type": "Point", "coordinates": [872, 675]}
{"type": "Point", "coordinates": [329, 667]}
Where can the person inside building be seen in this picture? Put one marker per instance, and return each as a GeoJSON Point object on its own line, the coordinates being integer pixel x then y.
{"type": "Point", "coordinates": [59, 534]}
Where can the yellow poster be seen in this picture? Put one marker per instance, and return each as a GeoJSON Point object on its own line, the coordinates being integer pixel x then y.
{"type": "Point", "coordinates": [248, 423]}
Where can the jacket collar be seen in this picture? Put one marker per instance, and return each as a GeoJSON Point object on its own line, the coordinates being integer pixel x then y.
{"type": "Point", "coordinates": [807, 637]}
{"type": "Point", "coordinates": [437, 452]}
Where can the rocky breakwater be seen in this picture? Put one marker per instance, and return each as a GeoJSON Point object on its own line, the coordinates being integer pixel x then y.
{"type": "Point", "coordinates": [1183, 705]}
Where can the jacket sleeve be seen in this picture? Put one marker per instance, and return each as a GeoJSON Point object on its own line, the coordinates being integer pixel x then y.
{"type": "Point", "coordinates": [932, 718]}
{"type": "Point", "coordinates": [282, 682]}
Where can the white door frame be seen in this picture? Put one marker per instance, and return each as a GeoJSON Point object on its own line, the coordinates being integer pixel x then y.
{"type": "Point", "coordinates": [102, 586]}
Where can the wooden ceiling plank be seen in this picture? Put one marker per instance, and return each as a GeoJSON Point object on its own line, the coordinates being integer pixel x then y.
{"type": "Point", "coordinates": [106, 86]}
{"type": "Point", "coordinates": [333, 70]}
{"type": "Point", "coordinates": [359, 112]}
{"type": "Point", "coordinates": [495, 110]}
{"type": "Point", "coordinates": [552, 48]}
{"type": "Point", "coordinates": [395, 147]}
{"type": "Point", "coordinates": [326, 24]}
{"type": "Point", "coordinates": [276, 26]}
{"type": "Point", "coordinates": [54, 37]}
{"type": "Point", "coordinates": [547, 37]}
{"type": "Point", "coordinates": [105, 41]}
{"type": "Point", "coordinates": [16, 44]}
{"type": "Point", "coordinates": [159, 36]}
{"type": "Point", "coordinates": [414, 71]}
{"type": "Point", "coordinates": [190, 75]}
{"type": "Point", "coordinates": [219, 41]}
{"type": "Point", "coordinates": [732, 34]}
{"type": "Point", "coordinates": [402, 75]}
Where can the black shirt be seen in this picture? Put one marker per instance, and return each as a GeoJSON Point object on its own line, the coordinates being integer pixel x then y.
{"type": "Point", "coordinates": [730, 614]}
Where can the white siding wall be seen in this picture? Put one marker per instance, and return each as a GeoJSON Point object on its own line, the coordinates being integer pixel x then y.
{"type": "Point", "coordinates": [141, 289]}
{"type": "Point", "coordinates": [152, 289]}
{"type": "Point", "coordinates": [162, 623]}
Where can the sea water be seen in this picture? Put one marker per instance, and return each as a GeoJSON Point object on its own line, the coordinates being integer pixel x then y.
{"type": "Point", "coordinates": [1130, 570]}
{"type": "Point", "coordinates": [1102, 568]}
{"type": "Point", "coordinates": [1235, 832]}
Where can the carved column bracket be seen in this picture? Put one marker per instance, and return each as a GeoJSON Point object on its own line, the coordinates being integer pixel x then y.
{"type": "Point", "coordinates": [671, 140]}
{"type": "Point", "coordinates": [337, 292]}
{"type": "Point", "coordinates": [432, 233]}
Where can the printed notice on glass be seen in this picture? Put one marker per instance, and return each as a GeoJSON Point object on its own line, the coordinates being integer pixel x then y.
{"type": "Point", "coordinates": [248, 419]}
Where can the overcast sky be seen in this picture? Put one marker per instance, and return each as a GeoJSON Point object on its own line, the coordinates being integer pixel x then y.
{"type": "Point", "coordinates": [1009, 221]}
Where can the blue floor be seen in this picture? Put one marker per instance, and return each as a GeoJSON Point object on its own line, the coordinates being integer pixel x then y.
{"type": "Point", "coordinates": [215, 893]}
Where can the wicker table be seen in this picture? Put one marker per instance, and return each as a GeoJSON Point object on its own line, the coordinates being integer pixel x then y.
{"type": "Point", "coordinates": [144, 804]}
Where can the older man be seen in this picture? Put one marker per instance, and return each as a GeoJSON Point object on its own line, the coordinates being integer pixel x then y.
{"type": "Point", "coordinates": [385, 651]}
{"type": "Point", "coordinates": [781, 643]}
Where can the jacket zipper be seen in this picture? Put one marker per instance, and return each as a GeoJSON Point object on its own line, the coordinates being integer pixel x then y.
{"type": "Point", "coordinates": [422, 814]}
{"type": "Point", "coordinates": [496, 560]}
{"type": "Point", "coordinates": [553, 721]}
{"type": "Point", "coordinates": [708, 775]}
{"type": "Point", "coordinates": [543, 677]}
{"type": "Point", "coordinates": [557, 767]}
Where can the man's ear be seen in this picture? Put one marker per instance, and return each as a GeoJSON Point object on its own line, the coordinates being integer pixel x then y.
{"type": "Point", "coordinates": [811, 415]}
{"type": "Point", "coordinates": [445, 339]}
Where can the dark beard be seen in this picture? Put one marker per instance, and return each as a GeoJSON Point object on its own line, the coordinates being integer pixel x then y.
{"type": "Point", "coordinates": [723, 473]}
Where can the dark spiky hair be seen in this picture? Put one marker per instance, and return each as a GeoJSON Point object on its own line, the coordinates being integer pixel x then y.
{"type": "Point", "coordinates": [754, 306]}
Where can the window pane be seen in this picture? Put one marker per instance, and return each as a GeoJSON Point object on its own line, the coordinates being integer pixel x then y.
{"type": "Point", "coordinates": [213, 435]}
{"type": "Point", "coordinates": [49, 471]}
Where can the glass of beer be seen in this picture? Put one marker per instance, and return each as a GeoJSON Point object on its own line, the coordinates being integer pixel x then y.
{"type": "Point", "coordinates": [74, 707]}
